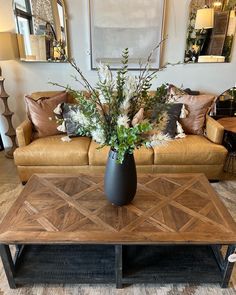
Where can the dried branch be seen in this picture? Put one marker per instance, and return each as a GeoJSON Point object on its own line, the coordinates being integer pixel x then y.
{"type": "Point", "coordinates": [89, 87]}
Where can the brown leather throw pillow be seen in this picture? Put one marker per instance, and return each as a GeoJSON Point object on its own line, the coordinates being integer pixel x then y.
{"type": "Point", "coordinates": [40, 112]}
{"type": "Point", "coordinates": [197, 106]}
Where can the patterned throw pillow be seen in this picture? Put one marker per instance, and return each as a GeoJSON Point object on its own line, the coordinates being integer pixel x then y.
{"type": "Point", "coordinates": [72, 120]}
{"type": "Point", "coordinates": [173, 114]}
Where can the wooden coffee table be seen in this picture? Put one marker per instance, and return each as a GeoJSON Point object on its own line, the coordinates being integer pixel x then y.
{"type": "Point", "coordinates": [65, 231]}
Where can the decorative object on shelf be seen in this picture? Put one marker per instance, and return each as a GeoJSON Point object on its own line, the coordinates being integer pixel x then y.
{"type": "Point", "coordinates": [211, 30]}
{"type": "Point", "coordinates": [42, 30]}
{"type": "Point", "coordinates": [8, 51]}
{"type": "Point", "coordinates": [211, 58]}
{"type": "Point", "coordinates": [117, 115]}
{"type": "Point", "coordinates": [129, 23]}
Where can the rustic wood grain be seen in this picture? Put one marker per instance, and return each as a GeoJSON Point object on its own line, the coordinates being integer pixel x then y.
{"type": "Point", "coordinates": [168, 208]}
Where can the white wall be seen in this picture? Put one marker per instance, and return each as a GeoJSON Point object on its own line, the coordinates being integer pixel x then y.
{"type": "Point", "coordinates": [23, 78]}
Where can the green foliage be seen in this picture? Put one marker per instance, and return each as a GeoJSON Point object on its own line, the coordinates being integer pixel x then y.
{"type": "Point", "coordinates": [160, 97]}
{"type": "Point", "coordinates": [114, 113]}
{"type": "Point", "coordinates": [121, 75]}
{"type": "Point", "coordinates": [126, 139]}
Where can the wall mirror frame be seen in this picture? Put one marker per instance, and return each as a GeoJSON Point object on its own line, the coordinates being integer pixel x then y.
{"type": "Point", "coordinates": [41, 27]}
{"type": "Point", "coordinates": [211, 31]}
{"type": "Point", "coordinates": [225, 105]}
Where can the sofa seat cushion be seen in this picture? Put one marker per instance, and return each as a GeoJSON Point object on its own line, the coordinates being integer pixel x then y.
{"type": "Point", "coordinates": [191, 150]}
{"type": "Point", "coordinates": [52, 151]}
{"type": "Point", "coordinates": [98, 157]}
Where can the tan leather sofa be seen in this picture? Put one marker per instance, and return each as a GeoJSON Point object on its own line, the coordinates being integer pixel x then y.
{"type": "Point", "coordinates": [193, 153]}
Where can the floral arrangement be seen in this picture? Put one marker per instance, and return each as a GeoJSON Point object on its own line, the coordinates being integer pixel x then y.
{"type": "Point", "coordinates": [117, 111]}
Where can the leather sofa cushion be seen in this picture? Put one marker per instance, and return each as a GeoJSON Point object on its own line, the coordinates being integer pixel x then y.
{"type": "Point", "coordinates": [191, 150]}
{"type": "Point", "coordinates": [52, 151]}
{"type": "Point", "coordinates": [98, 157]}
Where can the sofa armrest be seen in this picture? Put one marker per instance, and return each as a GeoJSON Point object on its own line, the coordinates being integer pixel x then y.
{"type": "Point", "coordinates": [214, 130]}
{"type": "Point", "coordinates": [24, 133]}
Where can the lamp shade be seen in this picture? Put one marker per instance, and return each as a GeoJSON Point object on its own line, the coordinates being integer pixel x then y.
{"type": "Point", "coordinates": [204, 19]}
{"type": "Point", "coordinates": [8, 46]}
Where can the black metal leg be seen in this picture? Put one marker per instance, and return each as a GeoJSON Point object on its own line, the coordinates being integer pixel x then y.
{"type": "Point", "coordinates": [118, 266]}
{"type": "Point", "coordinates": [218, 256]}
{"type": "Point", "coordinates": [8, 264]}
{"type": "Point", "coordinates": [228, 267]}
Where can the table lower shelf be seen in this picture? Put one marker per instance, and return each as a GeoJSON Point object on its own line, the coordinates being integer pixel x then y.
{"type": "Point", "coordinates": [170, 264]}
{"type": "Point", "coordinates": [66, 264]}
{"type": "Point", "coordinates": [98, 264]}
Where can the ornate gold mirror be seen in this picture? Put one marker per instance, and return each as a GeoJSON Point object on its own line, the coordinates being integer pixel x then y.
{"type": "Point", "coordinates": [211, 31]}
{"type": "Point", "coordinates": [41, 28]}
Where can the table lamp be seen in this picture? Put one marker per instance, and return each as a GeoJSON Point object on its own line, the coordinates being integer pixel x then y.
{"type": "Point", "coordinates": [204, 22]}
{"type": "Point", "coordinates": [204, 19]}
{"type": "Point", "coordinates": [8, 51]}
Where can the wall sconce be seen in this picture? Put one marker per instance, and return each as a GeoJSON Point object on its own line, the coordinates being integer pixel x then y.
{"type": "Point", "coordinates": [217, 5]}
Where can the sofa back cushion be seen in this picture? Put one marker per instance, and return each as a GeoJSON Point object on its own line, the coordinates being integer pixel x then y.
{"type": "Point", "coordinates": [40, 112]}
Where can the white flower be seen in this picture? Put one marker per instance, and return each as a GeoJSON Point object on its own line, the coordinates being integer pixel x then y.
{"type": "Point", "coordinates": [104, 74]}
{"type": "Point", "coordinates": [102, 97]}
{"type": "Point", "coordinates": [58, 109]}
{"type": "Point", "coordinates": [157, 139]}
{"type": "Point", "coordinates": [98, 135]}
{"type": "Point", "coordinates": [125, 106]}
{"type": "Point", "coordinates": [130, 87]}
{"type": "Point", "coordinates": [66, 139]}
{"type": "Point", "coordinates": [79, 117]}
{"type": "Point", "coordinates": [62, 127]}
{"type": "Point", "coordinates": [94, 121]}
{"type": "Point", "coordinates": [123, 120]}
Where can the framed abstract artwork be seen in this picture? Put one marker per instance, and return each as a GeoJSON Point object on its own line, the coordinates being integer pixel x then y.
{"type": "Point", "coordinates": [119, 24]}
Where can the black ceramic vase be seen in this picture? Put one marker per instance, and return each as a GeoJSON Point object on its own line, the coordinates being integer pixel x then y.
{"type": "Point", "coordinates": [120, 179]}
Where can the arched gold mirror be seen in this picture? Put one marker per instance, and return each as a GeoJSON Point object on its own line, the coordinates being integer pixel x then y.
{"type": "Point", "coordinates": [42, 31]}
{"type": "Point", "coordinates": [211, 31]}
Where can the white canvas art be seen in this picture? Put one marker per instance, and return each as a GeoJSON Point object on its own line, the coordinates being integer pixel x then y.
{"type": "Point", "coordinates": [119, 24]}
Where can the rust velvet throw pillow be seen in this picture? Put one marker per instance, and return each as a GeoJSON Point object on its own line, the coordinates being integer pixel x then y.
{"type": "Point", "coordinates": [41, 114]}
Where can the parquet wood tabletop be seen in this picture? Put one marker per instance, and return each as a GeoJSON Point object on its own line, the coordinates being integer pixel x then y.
{"type": "Point", "coordinates": [167, 208]}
